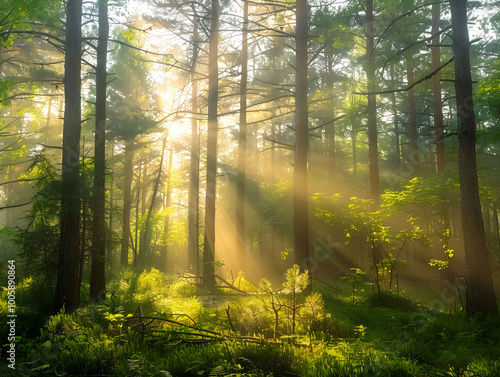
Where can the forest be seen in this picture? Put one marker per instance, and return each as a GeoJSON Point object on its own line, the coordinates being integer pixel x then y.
{"type": "Point", "coordinates": [249, 188]}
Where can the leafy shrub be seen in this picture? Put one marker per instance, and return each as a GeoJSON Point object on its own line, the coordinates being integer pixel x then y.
{"type": "Point", "coordinates": [183, 289]}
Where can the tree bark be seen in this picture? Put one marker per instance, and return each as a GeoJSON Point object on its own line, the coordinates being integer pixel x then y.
{"type": "Point", "coordinates": [67, 288]}
{"type": "Point", "coordinates": [144, 250]}
{"type": "Point", "coordinates": [242, 145]}
{"type": "Point", "coordinates": [194, 168]}
{"type": "Point", "coordinates": [436, 90]}
{"type": "Point", "coordinates": [300, 194]}
{"type": "Point", "coordinates": [372, 108]}
{"type": "Point", "coordinates": [330, 128]}
{"type": "Point", "coordinates": [168, 204]}
{"type": "Point", "coordinates": [397, 145]}
{"type": "Point", "coordinates": [210, 197]}
{"type": "Point", "coordinates": [128, 169]}
{"type": "Point", "coordinates": [97, 274]}
{"type": "Point", "coordinates": [412, 126]}
{"type": "Point", "coordinates": [480, 294]}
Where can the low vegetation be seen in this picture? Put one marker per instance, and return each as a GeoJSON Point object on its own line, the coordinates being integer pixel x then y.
{"type": "Point", "coordinates": [151, 324]}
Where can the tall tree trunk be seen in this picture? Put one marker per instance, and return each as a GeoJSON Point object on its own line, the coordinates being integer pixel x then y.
{"type": "Point", "coordinates": [242, 145]}
{"type": "Point", "coordinates": [300, 194]}
{"type": "Point", "coordinates": [354, 157]}
{"type": "Point", "coordinates": [144, 250]}
{"type": "Point", "coordinates": [109, 242]}
{"type": "Point", "coordinates": [480, 295]}
{"type": "Point", "coordinates": [436, 89]}
{"type": "Point", "coordinates": [210, 197]}
{"type": "Point", "coordinates": [97, 278]}
{"type": "Point", "coordinates": [330, 128]}
{"type": "Point", "coordinates": [67, 288]}
{"type": "Point", "coordinates": [168, 204]}
{"type": "Point", "coordinates": [128, 169]}
{"type": "Point", "coordinates": [194, 168]}
{"type": "Point", "coordinates": [397, 145]}
{"type": "Point", "coordinates": [412, 126]}
{"type": "Point", "coordinates": [372, 107]}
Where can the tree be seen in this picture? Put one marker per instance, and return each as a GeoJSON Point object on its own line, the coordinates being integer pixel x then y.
{"type": "Point", "coordinates": [300, 194]}
{"type": "Point", "coordinates": [480, 294]}
{"type": "Point", "coordinates": [210, 197]}
{"type": "Point", "coordinates": [97, 278]}
{"type": "Point", "coordinates": [372, 107]}
{"type": "Point", "coordinates": [67, 287]}
{"type": "Point", "coordinates": [436, 89]}
{"type": "Point", "coordinates": [194, 166]}
{"type": "Point", "coordinates": [242, 143]}
{"type": "Point", "coordinates": [412, 126]}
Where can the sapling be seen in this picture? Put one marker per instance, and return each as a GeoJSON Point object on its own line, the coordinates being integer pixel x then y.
{"type": "Point", "coordinates": [275, 304]}
{"type": "Point", "coordinates": [312, 311]}
{"type": "Point", "coordinates": [355, 277]}
{"type": "Point", "coordinates": [295, 283]}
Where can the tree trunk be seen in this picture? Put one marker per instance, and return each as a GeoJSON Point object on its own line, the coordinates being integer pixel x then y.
{"type": "Point", "coordinates": [144, 250]}
{"type": "Point", "coordinates": [412, 126]}
{"type": "Point", "coordinates": [397, 144]}
{"type": "Point", "coordinates": [495, 224]}
{"type": "Point", "coordinates": [210, 197]}
{"type": "Point", "coordinates": [242, 146]}
{"type": "Point", "coordinates": [128, 169]}
{"type": "Point", "coordinates": [480, 294]}
{"type": "Point", "coordinates": [194, 169]}
{"type": "Point", "coordinates": [168, 204]}
{"type": "Point", "coordinates": [331, 169]}
{"type": "Point", "coordinates": [67, 288]}
{"type": "Point", "coordinates": [109, 241]}
{"type": "Point", "coordinates": [354, 159]}
{"type": "Point", "coordinates": [97, 278]}
{"type": "Point", "coordinates": [372, 108]}
{"type": "Point", "coordinates": [300, 194]}
{"type": "Point", "coordinates": [436, 90]}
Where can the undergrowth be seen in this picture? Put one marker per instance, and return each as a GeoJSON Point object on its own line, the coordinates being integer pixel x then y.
{"type": "Point", "coordinates": [154, 325]}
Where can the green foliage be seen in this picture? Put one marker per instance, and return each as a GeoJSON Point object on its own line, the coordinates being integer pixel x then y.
{"type": "Point", "coordinates": [296, 281]}
{"type": "Point", "coordinates": [356, 279]}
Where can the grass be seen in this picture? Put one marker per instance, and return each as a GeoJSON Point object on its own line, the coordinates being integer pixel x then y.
{"type": "Point", "coordinates": [376, 335]}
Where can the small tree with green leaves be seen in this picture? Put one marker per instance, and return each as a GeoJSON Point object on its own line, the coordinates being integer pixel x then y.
{"type": "Point", "coordinates": [311, 312]}
{"type": "Point", "coordinates": [356, 279]}
{"type": "Point", "coordinates": [295, 283]}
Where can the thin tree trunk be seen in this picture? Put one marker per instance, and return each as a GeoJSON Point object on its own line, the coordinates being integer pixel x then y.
{"type": "Point", "coordinates": [436, 90]}
{"type": "Point", "coordinates": [412, 126]}
{"type": "Point", "coordinates": [300, 194]}
{"type": "Point", "coordinates": [67, 288]}
{"type": "Point", "coordinates": [397, 145]}
{"type": "Point", "coordinates": [168, 204]}
{"type": "Point", "coordinates": [109, 241]}
{"type": "Point", "coordinates": [127, 201]}
{"type": "Point", "coordinates": [242, 146]}
{"type": "Point", "coordinates": [210, 198]}
{"type": "Point", "coordinates": [144, 250]}
{"type": "Point", "coordinates": [354, 159]}
{"type": "Point", "coordinates": [194, 169]}
{"type": "Point", "coordinates": [97, 278]}
{"type": "Point", "coordinates": [372, 108]}
{"type": "Point", "coordinates": [480, 294]}
{"type": "Point", "coordinates": [330, 128]}
{"type": "Point", "coordinates": [47, 124]}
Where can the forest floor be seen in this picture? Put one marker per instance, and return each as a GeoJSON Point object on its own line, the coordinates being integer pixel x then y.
{"type": "Point", "coordinates": [150, 325]}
